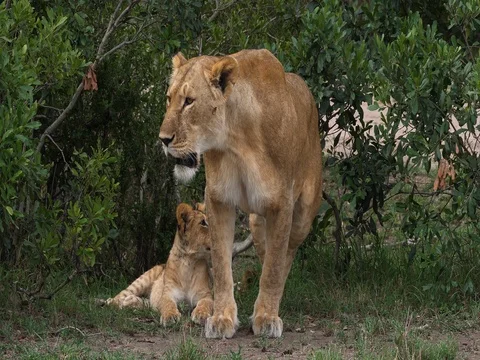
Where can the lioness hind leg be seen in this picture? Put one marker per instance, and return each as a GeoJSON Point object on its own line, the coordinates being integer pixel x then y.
{"type": "Point", "coordinates": [305, 210]}
{"type": "Point", "coordinates": [265, 318]}
{"type": "Point", "coordinates": [258, 229]}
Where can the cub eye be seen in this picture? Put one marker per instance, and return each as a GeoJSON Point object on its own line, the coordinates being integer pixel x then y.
{"type": "Point", "coordinates": [204, 223]}
{"type": "Point", "coordinates": [188, 101]}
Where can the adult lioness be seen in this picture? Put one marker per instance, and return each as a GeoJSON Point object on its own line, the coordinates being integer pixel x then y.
{"type": "Point", "coordinates": [256, 127]}
{"type": "Point", "coordinates": [185, 276]}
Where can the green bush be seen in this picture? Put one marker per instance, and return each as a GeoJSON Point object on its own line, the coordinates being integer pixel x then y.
{"type": "Point", "coordinates": [47, 229]}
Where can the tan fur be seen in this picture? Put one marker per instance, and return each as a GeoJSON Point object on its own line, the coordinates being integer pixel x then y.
{"type": "Point", "coordinates": [257, 130]}
{"type": "Point", "coordinates": [185, 276]}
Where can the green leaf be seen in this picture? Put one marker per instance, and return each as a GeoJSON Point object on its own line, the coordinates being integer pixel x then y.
{"type": "Point", "coordinates": [396, 189]}
{"type": "Point", "coordinates": [79, 19]}
{"type": "Point", "coordinates": [414, 105]}
{"type": "Point", "coordinates": [9, 210]}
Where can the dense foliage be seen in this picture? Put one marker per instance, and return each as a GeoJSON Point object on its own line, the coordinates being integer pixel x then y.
{"type": "Point", "coordinates": [97, 190]}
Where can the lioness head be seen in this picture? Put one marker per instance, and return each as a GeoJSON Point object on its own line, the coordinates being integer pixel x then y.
{"type": "Point", "coordinates": [193, 231]}
{"type": "Point", "coordinates": [195, 118]}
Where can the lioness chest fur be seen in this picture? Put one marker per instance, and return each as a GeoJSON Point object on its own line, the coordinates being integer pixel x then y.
{"type": "Point", "coordinates": [257, 130]}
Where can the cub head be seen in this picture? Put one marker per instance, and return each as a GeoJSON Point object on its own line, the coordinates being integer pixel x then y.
{"type": "Point", "coordinates": [193, 231]}
{"type": "Point", "coordinates": [195, 119]}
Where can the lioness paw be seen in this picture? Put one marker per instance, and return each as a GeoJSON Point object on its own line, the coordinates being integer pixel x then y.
{"type": "Point", "coordinates": [220, 327]}
{"type": "Point", "coordinates": [170, 318]}
{"type": "Point", "coordinates": [267, 325]}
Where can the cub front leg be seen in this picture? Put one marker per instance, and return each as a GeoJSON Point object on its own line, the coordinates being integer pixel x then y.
{"type": "Point", "coordinates": [161, 299]}
{"type": "Point", "coordinates": [224, 321]}
{"type": "Point", "coordinates": [202, 311]}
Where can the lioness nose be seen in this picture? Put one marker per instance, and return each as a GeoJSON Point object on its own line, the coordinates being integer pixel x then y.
{"type": "Point", "coordinates": [167, 140]}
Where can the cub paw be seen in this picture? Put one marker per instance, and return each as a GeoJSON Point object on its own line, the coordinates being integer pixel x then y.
{"type": "Point", "coordinates": [267, 325]}
{"type": "Point", "coordinates": [200, 315]}
{"type": "Point", "coordinates": [112, 302]}
{"type": "Point", "coordinates": [220, 327]}
{"type": "Point", "coordinates": [170, 318]}
{"type": "Point", "coordinates": [133, 301]}
{"type": "Point", "coordinates": [102, 302]}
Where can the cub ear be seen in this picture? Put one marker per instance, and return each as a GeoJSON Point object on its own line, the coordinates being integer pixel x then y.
{"type": "Point", "coordinates": [223, 74]}
{"type": "Point", "coordinates": [200, 207]}
{"type": "Point", "coordinates": [178, 61]}
{"type": "Point", "coordinates": [183, 213]}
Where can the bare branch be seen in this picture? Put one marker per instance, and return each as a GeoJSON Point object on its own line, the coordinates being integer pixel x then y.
{"type": "Point", "coordinates": [109, 28]}
{"type": "Point", "coordinates": [218, 9]}
{"type": "Point", "coordinates": [100, 56]}
{"type": "Point", "coordinates": [62, 117]}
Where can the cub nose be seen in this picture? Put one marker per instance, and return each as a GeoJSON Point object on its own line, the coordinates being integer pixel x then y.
{"type": "Point", "coordinates": [167, 140]}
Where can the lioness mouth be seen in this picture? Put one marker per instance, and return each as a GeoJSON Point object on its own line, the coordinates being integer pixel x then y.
{"type": "Point", "coordinates": [190, 160]}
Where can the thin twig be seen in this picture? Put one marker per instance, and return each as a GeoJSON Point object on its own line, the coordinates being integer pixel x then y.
{"type": "Point", "coordinates": [337, 233]}
{"type": "Point", "coordinates": [68, 327]}
{"type": "Point", "coordinates": [58, 288]}
{"type": "Point", "coordinates": [51, 107]}
{"type": "Point", "coordinates": [115, 48]}
{"type": "Point", "coordinates": [61, 151]}
{"type": "Point", "coordinates": [219, 9]}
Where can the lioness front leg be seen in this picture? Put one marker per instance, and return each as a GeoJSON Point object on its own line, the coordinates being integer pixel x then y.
{"type": "Point", "coordinates": [224, 321]}
{"type": "Point", "coordinates": [265, 319]}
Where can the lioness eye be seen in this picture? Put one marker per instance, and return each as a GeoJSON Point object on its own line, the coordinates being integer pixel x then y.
{"type": "Point", "coordinates": [188, 101]}
{"type": "Point", "coordinates": [168, 100]}
{"type": "Point", "coordinates": [204, 223]}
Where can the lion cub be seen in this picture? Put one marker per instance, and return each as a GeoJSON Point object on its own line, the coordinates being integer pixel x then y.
{"type": "Point", "coordinates": [185, 276]}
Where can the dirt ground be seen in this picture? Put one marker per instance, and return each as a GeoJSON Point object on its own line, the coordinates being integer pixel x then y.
{"type": "Point", "coordinates": [294, 344]}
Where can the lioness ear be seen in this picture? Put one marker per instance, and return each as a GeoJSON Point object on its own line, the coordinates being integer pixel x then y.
{"type": "Point", "coordinates": [223, 74]}
{"type": "Point", "coordinates": [183, 213]}
{"type": "Point", "coordinates": [178, 61]}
